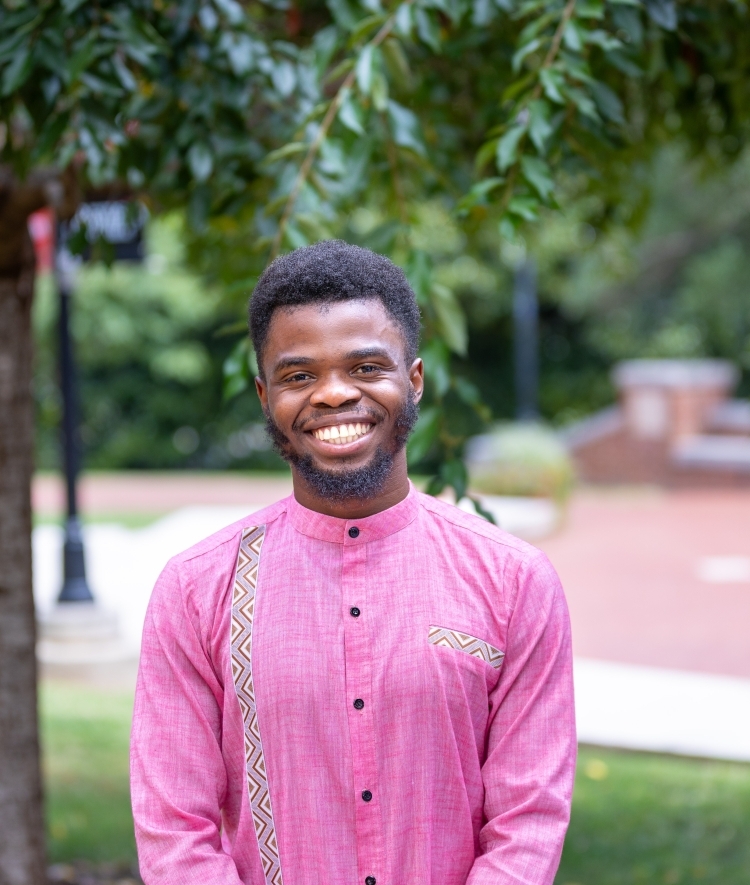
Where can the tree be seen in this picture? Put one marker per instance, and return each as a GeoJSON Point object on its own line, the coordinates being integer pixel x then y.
{"type": "Point", "coordinates": [271, 123]}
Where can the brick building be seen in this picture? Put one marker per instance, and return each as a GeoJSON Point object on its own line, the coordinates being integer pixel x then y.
{"type": "Point", "coordinates": [675, 424]}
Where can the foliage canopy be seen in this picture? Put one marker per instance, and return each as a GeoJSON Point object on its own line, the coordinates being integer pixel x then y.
{"type": "Point", "coordinates": [274, 122]}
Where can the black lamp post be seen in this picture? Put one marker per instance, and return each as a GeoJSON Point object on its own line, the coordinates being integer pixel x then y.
{"type": "Point", "coordinates": [526, 341]}
{"type": "Point", "coordinates": [75, 587]}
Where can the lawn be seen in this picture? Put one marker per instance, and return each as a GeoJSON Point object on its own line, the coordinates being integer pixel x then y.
{"type": "Point", "coordinates": [638, 819]}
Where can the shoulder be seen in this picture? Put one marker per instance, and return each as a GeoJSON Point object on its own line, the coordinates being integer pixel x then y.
{"type": "Point", "coordinates": [511, 564]}
{"type": "Point", "coordinates": [197, 580]}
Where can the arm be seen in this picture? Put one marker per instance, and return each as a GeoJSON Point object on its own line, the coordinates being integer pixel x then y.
{"type": "Point", "coordinates": [531, 750]}
{"type": "Point", "coordinates": [178, 777]}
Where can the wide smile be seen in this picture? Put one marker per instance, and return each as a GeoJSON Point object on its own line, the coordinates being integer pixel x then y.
{"type": "Point", "coordinates": [343, 434]}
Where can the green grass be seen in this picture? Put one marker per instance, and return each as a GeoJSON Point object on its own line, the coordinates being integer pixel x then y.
{"type": "Point", "coordinates": [638, 819]}
{"type": "Point", "coordinates": [85, 735]}
{"type": "Point", "coordinates": [643, 819]}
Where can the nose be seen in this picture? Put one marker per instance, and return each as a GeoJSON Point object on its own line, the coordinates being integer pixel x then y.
{"type": "Point", "coordinates": [334, 389]}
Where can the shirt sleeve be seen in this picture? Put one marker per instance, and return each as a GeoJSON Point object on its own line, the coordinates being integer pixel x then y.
{"type": "Point", "coordinates": [531, 750]}
{"type": "Point", "coordinates": [178, 777]}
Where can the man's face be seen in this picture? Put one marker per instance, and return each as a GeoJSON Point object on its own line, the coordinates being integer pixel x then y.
{"type": "Point", "coordinates": [338, 393]}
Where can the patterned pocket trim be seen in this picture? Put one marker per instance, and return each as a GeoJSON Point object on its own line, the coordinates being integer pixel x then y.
{"type": "Point", "coordinates": [477, 648]}
{"type": "Point", "coordinates": [243, 611]}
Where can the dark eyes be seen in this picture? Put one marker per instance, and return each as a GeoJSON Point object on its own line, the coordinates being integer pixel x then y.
{"type": "Point", "coordinates": [299, 377]}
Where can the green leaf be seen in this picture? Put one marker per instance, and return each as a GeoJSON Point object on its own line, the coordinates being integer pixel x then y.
{"type": "Point", "coordinates": [18, 71]}
{"type": "Point", "coordinates": [572, 37]}
{"type": "Point", "coordinates": [404, 22]}
{"type": "Point", "coordinates": [437, 357]}
{"type": "Point", "coordinates": [284, 78]}
{"type": "Point", "coordinates": [366, 69]}
{"type": "Point", "coordinates": [524, 51]}
{"type": "Point", "coordinates": [453, 474]}
{"type": "Point", "coordinates": [552, 82]}
{"type": "Point", "coordinates": [365, 27]}
{"type": "Point", "coordinates": [478, 193]}
{"type": "Point", "coordinates": [608, 103]}
{"type": "Point", "coordinates": [288, 150]}
{"type": "Point", "coordinates": [663, 13]}
{"type": "Point", "coordinates": [350, 114]}
{"type": "Point", "coordinates": [525, 208]}
{"type": "Point", "coordinates": [395, 59]}
{"type": "Point", "coordinates": [540, 128]}
{"type": "Point", "coordinates": [419, 273]}
{"type": "Point", "coordinates": [424, 435]}
{"type": "Point", "coordinates": [405, 128]}
{"type": "Point", "coordinates": [451, 318]}
{"type": "Point", "coordinates": [124, 74]}
{"type": "Point", "coordinates": [507, 146]}
{"type": "Point", "coordinates": [81, 59]}
{"type": "Point", "coordinates": [379, 91]}
{"type": "Point", "coordinates": [427, 29]}
{"type": "Point", "coordinates": [239, 369]}
{"type": "Point", "coordinates": [480, 511]}
{"type": "Point", "coordinates": [343, 14]}
{"type": "Point", "coordinates": [590, 9]}
{"type": "Point", "coordinates": [538, 174]}
{"type": "Point", "coordinates": [201, 161]}
{"type": "Point", "coordinates": [584, 104]}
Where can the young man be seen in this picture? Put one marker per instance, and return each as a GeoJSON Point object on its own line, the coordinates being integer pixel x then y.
{"type": "Point", "coordinates": [359, 685]}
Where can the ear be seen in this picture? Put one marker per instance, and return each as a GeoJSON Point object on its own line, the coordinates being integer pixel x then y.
{"type": "Point", "coordinates": [416, 378]}
{"type": "Point", "coordinates": [261, 389]}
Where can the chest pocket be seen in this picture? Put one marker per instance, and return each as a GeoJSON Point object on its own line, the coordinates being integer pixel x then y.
{"type": "Point", "coordinates": [470, 645]}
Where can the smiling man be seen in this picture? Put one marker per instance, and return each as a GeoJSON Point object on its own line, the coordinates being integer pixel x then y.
{"type": "Point", "coordinates": [359, 685]}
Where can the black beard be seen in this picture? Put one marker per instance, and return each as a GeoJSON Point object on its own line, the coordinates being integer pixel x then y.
{"type": "Point", "coordinates": [361, 483]}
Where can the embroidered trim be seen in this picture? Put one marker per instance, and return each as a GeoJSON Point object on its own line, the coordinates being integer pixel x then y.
{"type": "Point", "coordinates": [243, 607]}
{"type": "Point", "coordinates": [470, 644]}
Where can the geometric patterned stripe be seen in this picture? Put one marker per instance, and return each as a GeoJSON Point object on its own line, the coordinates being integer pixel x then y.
{"type": "Point", "coordinates": [470, 644]}
{"type": "Point", "coordinates": [243, 607]}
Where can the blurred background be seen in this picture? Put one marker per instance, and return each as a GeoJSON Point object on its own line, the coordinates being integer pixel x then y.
{"type": "Point", "coordinates": [578, 237]}
{"type": "Point", "coordinates": [643, 348]}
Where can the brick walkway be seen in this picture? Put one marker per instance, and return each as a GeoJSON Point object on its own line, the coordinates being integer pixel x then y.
{"type": "Point", "coordinates": [153, 492]}
{"type": "Point", "coordinates": [630, 563]}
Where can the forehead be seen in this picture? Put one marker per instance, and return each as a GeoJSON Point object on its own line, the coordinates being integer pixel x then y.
{"type": "Point", "coordinates": [327, 331]}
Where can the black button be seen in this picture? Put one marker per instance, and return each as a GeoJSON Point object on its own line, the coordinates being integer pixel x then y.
{"type": "Point", "coordinates": [358, 704]}
{"type": "Point", "coordinates": [354, 612]}
{"type": "Point", "coordinates": [366, 795]}
{"type": "Point", "coordinates": [370, 880]}
{"type": "Point", "coordinates": [354, 532]}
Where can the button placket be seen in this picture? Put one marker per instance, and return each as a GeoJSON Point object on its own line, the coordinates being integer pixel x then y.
{"type": "Point", "coordinates": [358, 675]}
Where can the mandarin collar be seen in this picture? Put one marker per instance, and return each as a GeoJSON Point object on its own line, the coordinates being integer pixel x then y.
{"type": "Point", "coordinates": [370, 528]}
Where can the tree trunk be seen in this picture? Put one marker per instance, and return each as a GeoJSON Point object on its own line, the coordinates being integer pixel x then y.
{"type": "Point", "coordinates": [22, 852]}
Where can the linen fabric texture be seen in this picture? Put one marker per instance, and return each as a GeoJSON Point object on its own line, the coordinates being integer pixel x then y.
{"type": "Point", "coordinates": [251, 762]}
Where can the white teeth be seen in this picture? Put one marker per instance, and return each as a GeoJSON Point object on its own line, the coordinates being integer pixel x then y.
{"type": "Point", "coordinates": [342, 433]}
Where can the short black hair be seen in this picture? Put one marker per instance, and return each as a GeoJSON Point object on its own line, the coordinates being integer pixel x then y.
{"type": "Point", "coordinates": [333, 271]}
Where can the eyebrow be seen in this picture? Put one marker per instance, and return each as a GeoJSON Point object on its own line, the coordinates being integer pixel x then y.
{"type": "Point", "coordinates": [367, 353]}
{"type": "Point", "coordinates": [362, 354]}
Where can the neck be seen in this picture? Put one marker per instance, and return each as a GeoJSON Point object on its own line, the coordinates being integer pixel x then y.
{"type": "Point", "coordinates": [394, 490]}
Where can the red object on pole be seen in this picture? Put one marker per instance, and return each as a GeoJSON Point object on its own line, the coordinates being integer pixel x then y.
{"type": "Point", "coordinates": [42, 230]}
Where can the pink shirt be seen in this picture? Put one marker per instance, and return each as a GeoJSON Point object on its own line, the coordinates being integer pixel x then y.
{"type": "Point", "coordinates": [385, 700]}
